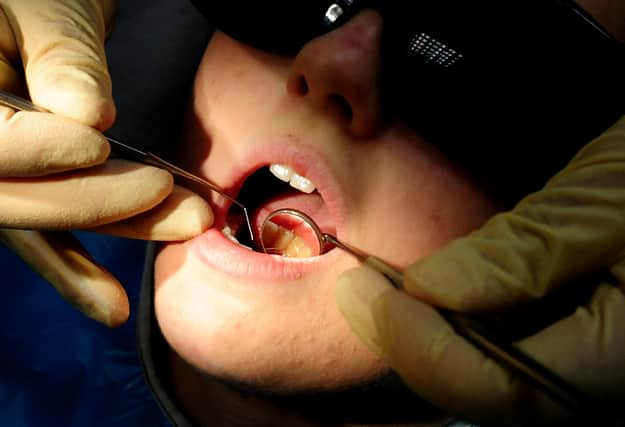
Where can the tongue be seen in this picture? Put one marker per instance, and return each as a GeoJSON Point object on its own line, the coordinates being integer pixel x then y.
{"type": "Point", "coordinates": [311, 204]}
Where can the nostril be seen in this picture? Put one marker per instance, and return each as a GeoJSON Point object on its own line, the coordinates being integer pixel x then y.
{"type": "Point", "coordinates": [343, 105]}
{"type": "Point", "coordinates": [301, 86]}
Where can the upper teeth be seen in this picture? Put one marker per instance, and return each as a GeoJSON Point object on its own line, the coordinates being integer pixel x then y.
{"type": "Point", "coordinates": [286, 174]}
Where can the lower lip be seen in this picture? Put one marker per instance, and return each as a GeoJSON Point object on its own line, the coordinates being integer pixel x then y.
{"type": "Point", "coordinates": [214, 250]}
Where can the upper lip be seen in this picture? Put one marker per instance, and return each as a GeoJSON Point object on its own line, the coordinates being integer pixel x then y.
{"type": "Point", "coordinates": [303, 159]}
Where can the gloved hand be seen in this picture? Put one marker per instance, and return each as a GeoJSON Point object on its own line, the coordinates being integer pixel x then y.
{"type": "Point", "coordinates": [53, 169]}
{"type": "Point", "coordinates": [574, 226]}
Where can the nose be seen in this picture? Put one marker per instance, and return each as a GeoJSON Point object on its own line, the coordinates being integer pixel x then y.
{"type": "Point", "coordinates": [339, 73]}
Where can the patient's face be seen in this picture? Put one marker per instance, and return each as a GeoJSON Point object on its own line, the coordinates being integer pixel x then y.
{"type": "Point", "coordinates": [270, 321]}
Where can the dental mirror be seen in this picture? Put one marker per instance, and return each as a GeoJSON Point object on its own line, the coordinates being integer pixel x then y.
{"type": "Point", "coordinates": [292, 233]}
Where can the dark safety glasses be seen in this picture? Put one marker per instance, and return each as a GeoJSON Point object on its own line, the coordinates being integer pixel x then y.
{"type": "Point", "coordinates": [491, 83]}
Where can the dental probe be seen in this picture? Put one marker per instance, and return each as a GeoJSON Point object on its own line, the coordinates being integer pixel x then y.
{"type": "Point", "coordinates": [132, 153]}
{"type": "Point", "coordinates": [486, 340]}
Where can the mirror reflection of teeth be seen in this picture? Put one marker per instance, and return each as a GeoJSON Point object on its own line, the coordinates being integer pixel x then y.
{"type": "Point", "coordinates": [278, 240]}
{"type": "Point", "coordinates": [281, 241]}
{"type": "Point", "coordinates": [286, 174]}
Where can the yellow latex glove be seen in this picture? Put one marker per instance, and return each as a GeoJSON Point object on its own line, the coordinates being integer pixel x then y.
{"type": "Point", "coordinates": [574, 226]}
{"type": "Point", "coordinates": [53, 169]}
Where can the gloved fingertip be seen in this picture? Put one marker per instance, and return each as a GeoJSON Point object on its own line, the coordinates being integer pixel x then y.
{"type": "Point", "coordinates": [452, 277]}
{"type": "Point", "coordinates": [111, 308]}
{"type": "Point", "coordinates": [417, 281]}
{"type": "Point", "coordinates": [62, 260]}
{"type": "Point", "coordinates": [356, 292]}
{"type": "Point", "coordinates": [181, 216]}
{"type": "Point", "coordinates": [76, 95]}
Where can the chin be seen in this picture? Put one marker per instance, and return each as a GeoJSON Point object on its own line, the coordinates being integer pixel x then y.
{"type": "Point", "coordinates": [279, 337]}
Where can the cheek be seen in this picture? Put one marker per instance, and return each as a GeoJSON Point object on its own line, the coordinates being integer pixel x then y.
{"type": "Point", "coordinates": [417, 204]}
{"type": "Point", "coordinates": [240, 90]}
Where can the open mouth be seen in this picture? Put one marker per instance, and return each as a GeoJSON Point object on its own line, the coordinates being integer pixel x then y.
{"type": "Point", "coordinates": [282, 173]}
{"type": "Point", "coordinates": [273, 187]}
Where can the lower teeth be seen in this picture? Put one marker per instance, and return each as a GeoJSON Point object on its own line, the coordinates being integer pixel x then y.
{"type": "Point", "coordinates": [278, 241]}
{"type": "Point", "coordinates": [227, 231]}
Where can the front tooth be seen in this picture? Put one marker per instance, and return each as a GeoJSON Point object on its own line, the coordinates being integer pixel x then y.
{"type": "Point", "coordinates": [302, 183]}
{"type": "Point", "coordinates": [282, 172]}
{"type": "Point", "coordinates": [286, 174]}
